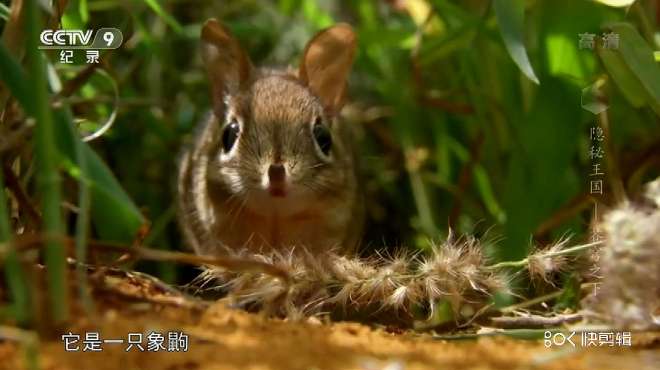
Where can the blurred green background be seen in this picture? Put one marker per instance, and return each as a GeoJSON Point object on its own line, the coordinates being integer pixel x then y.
{"type": "Point", "coordinates": [469, 112]}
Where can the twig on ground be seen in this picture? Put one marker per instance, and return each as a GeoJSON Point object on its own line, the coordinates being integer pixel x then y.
{"type": "Point", "coordinates": [229, 263]}
{"type": "Point", "coordinates": [534, 321]}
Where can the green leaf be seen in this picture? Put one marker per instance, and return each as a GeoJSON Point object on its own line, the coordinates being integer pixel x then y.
{"type": "Point", "coordinates": [638, 57]}
{"type": "Point", "coordinates": [487, 195]}
{"type": "Point", "coordinates": [442, 313]}
{"type": "Point", "coordinates": [631, 88]}
{"type": "Point", "coordinates": [4, 12]}
{"type": "Point", "coordinates": [72, 20]}
{"type": "Point", "coordinates": [540, 178]}
{"type": "Point", "coordinates": [438, 48]}
{"type": "Point", "coordinates": [83, 10]}
{"type": "Point", "coordinates": [167, 18]}
{"type": "Point", "coordinates": [114, 214]}
{"type": "Point", "coordinates": [570, 295]}
{"type": "Point", "coordinates": [123, 222]}
{"type": "Point", "coordinates": [14, 78]}
{"type": "Point", "coordinates": [564, 58]}
{"type": "Point", "coordinates": [510, 17]}
{"type": "Point", "coordinates": [319, 17]}
{"type": "Point", "coordinates": [502, 299]}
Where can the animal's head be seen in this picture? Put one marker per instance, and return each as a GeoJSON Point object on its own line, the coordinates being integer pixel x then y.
{"type": "Point", "coordinates": [278, 137]}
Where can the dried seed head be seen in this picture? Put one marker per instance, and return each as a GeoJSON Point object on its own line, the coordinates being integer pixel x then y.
{"type": "Point", "coordinates": [544, 263]}
{"type": "Point", "coordinates": [455, 270]}
{"type": "Point", "coordinates": [629, 263]}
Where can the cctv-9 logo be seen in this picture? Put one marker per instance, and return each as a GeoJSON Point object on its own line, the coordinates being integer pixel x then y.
{"type": "Point", "coordinates": [105, 38]}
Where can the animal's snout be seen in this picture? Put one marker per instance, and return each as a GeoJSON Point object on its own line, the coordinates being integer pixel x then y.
{"type": "Point", "coordinates": [276, 173]}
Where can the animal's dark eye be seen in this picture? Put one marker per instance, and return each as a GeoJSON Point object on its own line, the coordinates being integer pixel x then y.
{"type": "Point", "coordinates": [229, 135]}
{"type": "Point", "coordinates": [322, 136]}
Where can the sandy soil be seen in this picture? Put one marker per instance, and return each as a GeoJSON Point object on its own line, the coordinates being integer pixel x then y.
{"type": "Point", "coordinates": [221, 338]}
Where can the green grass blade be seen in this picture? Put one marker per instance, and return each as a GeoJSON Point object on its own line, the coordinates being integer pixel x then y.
{"type": "Point", "coordinates": [167, 18]}
{"type": "Point", "coordinates": [84, 11]}
{"type": "Point", "coordinates": [14, 78]}
{"type": "Point", "coordinates": [114, 214]}
{"type": "Point", "coordinates": [82, 228]}
{"type": "Point", "coordinates": [638, 56]}
{"type": "Point", "coordinates": [623, 77]}
{"type": "Point", "coordinates": [510, 17]}
{"type": "Point", "coordinates": [487, 195]}
{"type": "Point", "coordinates": [48, 177]}
{"type": "Point", "coordinates": [4, 12]}
{"type": "Point", "coordinates": [5, 230]}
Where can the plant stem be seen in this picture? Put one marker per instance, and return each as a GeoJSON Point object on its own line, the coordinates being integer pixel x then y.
{"type": "Point", "coordinates": [18, 287]}
{"type": "Point", "coordinates": [82, 228]}
{"type": "Point", "coordinates": [529, 334]}
{"type": "Point", "coordinates": [48, 177]}
{"type": "Point", "coordinates": [5, 230]}
{"type": "Point", "coordinates": [541, 299]}
{"type": "Point", "coordinates": [523, 262]}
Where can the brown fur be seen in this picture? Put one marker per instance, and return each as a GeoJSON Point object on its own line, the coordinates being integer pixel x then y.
{"type": "Point", "coordinates": [223, 206]}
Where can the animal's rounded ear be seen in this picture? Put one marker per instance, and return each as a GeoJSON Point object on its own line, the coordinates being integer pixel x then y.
{"type": "Point", "coordinates": [228, 66]}
{"type": "Point", "coordinates": [326, 63]}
